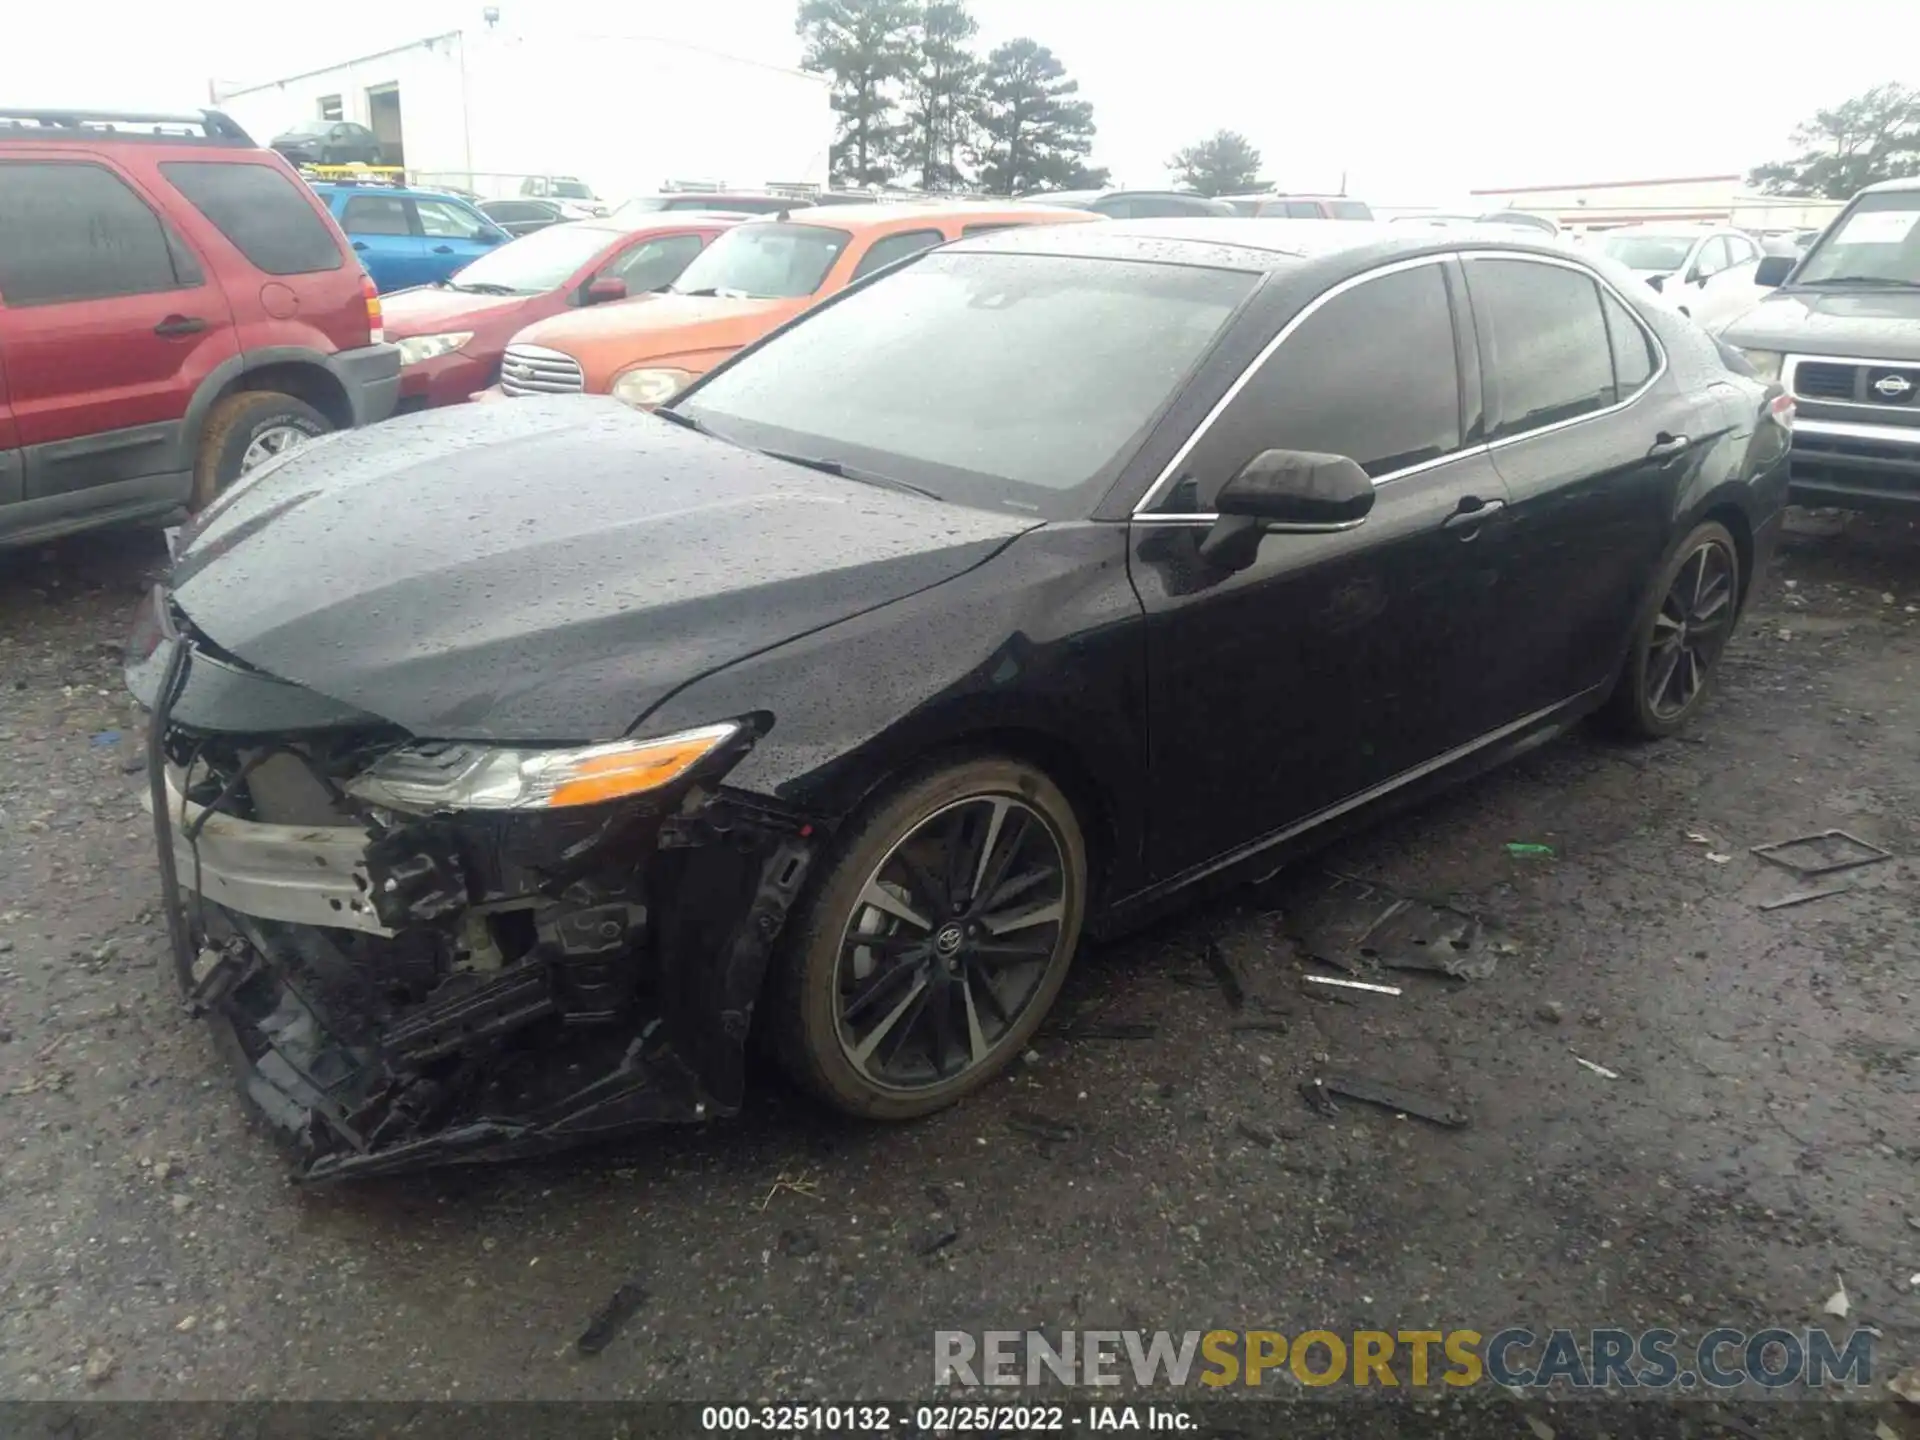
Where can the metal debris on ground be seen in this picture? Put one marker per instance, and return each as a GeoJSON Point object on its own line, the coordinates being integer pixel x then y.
{"type": "Point", "coordinates": [1352, 984]}
{"type": "Point", "coordinates": [1317, 1098]}
{"type": "Point", "coordinates": [931, 1242]}
{"type": "Point", "coordinates": [1802, 897]}
{"type": "Point", "coordinates": [1520, 847]}
{"type": "Point", "coordinates": [1391, 1097]}
{"type": "Point", "coordinates": [1837, 1303]}
{"type": "Point", "coordinates": [624, 1305]}
{"type": "Point", "coordinates": [1228, 972]}
{"type": "Point", "coordinates": [1822, 853]}
{"type": "Point", "coordinates": [1258, 1134]}
{"type": "Point", "coordinates": [1351, 924]}
{"type": "Point", "coordinates": [1600, 1070]}
{"type": "Point", "coordinates": [1042, 1127]}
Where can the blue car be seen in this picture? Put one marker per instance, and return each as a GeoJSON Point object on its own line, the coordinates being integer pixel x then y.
{"type": "Point", "coordinates": [409, 237]}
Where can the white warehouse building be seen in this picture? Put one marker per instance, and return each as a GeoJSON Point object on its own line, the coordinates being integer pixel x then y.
{"type": "Point", "coordinates": [483, 109]}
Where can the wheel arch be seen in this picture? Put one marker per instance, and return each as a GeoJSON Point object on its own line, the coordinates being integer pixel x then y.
{"type": "Point", "coordinates": [288, 370]}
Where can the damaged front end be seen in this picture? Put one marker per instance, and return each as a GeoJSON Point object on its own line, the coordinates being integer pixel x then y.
{"type": "Point", "coordinates": [433, 953]}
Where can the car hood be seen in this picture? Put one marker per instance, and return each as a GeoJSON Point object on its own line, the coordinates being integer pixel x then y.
{"type": "Point", "coordinates": [608, 338]}
{"type": "Point", "coordinates": [432, 309]}
{"type": "Point", "coordinates": [1867, 324]}
{"type": "Point", "coordinates": [548, 570]}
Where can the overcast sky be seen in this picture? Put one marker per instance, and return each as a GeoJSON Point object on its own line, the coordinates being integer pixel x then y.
{"type": "Point", "coordinates": [1415, 102]}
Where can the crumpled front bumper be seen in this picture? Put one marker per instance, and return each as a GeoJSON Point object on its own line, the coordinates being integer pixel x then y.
{"type": "Point", "coordinates": [400, 992]}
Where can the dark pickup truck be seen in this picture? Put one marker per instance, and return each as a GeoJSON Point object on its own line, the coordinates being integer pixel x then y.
{"type": "Point", "coordinates": [1842, 333]}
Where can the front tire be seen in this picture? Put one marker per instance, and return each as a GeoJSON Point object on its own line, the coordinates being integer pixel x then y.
{"type": "Point", "coordinates": [936, 941]}
{"type": "Point", "coordinates": [1679, 637]}
{"type": "Point", "coordinates": [246, 429]}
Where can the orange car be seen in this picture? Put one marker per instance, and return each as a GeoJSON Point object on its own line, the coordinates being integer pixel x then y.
{"type": "Point", "coordinates": [755, 277]}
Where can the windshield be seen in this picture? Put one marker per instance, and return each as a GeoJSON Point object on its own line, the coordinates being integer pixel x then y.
{"type": "Point", "coordinates": [774, 261]}
{"type": "Point", "coordinates": [535, 263]}
{"type": "Point", "coordinates": [1878, 240]}
{"type": "Point", "coordinates": [1648, 252]}
{"type": "Point", "coordinates": [1010, 381]}
{"type": "Point", "coordinates": [572, 190]}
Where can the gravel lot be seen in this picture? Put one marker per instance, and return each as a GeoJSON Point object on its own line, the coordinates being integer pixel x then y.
{"type": "Point", "coordinates": [1761, 1137]}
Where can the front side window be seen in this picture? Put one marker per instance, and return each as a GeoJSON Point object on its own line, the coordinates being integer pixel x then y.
{"type": "Point", "coordinates": [775, 261]}
{"type": "Point", "coordinates": [1371, 374]}
{"type": "Point", "coordinates": [1016, 382]}
{"type": "Point", "coordinates": [376, 215]}
{"type": "Point", "coordinates": [1546, 339]}
{"type": "Point", "coordinates": [261, 211]}
{"type": "Point", "coordinates": [889, 248]}
{"type": "Point", "coordinates": [76, 231]}
{"type": "Point", "coordinates": [654, 263]}
{"type": "Point", "coordinates": [1876, 242]}
{"type": "Point", "coordinates": [1712, 258]}
{"type": "Point", "coordinates": [443, 220]}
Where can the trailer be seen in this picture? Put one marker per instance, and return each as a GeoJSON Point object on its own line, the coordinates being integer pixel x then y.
{"type": "Point", "coordinates": [494, 112]}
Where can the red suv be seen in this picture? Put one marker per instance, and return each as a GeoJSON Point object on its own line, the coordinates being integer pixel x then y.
{"type": "Point", "coordinates": [175, 307]}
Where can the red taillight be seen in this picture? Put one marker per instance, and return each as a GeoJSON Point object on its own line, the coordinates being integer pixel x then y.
{"type": "Point", "coordinates": [1782, 408]}
{"type": "Point", "coordinates": [376, 325]}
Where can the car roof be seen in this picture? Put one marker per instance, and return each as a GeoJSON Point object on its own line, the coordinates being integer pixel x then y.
{"type": "Point", "coordinates": [1245, 243]}
{"type": "Point", "coordinates": [1905, 182]}
{"type": "Point", "coordinates": [328, 187]}
{"type": "Point", "coordinates": [659, 220]}
{"type": "Point", "coordinates": [885, 216]}
{"type": "Point", "coordinates": [1654, 227]}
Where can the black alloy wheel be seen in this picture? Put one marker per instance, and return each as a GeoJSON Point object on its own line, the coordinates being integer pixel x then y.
{"type": "Point", "coordinates": [1682, 635]}
{"type": "Point", "coordinates": [937, 941]}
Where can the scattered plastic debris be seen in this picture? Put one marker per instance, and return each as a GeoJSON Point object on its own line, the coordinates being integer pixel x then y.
{"type": "Point", "coordinates": [1837, 1303]}
{"type": "Point", "coordinates": [1802, 897]}
{"type": "Point", "coordinates": [624, 1305]}
{"type": "Point", "coordinates": [1352, 984]}
{"type": "Point", "coordinates": [1717, 858]}
{"type": "Point", "coordinates": [1822, 853]}
{"type": "Point", "coordinates": [104, 739]}
{"type": "Point", "coordinates": [1540, 1428]}
{"type": "Point", "coordinates": [1391, 1097]}
{"type": "Point", "coordinates": [1600, 1070]}
{"type": "Point", "coordinates": [1907, 1385]}
{"type": "Point", "coordinates": [1519, 847]}
{"type": "Point", "coordinates": [1317, 1098]}
{"type": "Point", "coordinates": [1698, 839]}
{"type": "Point", "coordinates": [1351, 924]}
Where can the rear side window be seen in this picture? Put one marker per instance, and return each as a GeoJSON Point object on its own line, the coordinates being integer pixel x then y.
{"type": "Point", "coordinates": [76, 231]}
{"type": "Point", "coordinates": [653, 263]}
{"type": "Point", "coordinates": [261, 211]}
{"type": "Point", "coordinates": [449, 222]}
{"type": "Point", "coordinates": [1633, 356]}
{"type": "Point", "coordinates": [1372, 374]}
{"type": "Point", "coordinates": [1302, 210]}
{"type": "Point", "coordinates": [1548, 341]}
{"type": "Point", "coordinates": [376, 215]}
{"type": "Point", "coordinates": [1351, 210]}
{"type": "Point", "coordinates": [889, 248]}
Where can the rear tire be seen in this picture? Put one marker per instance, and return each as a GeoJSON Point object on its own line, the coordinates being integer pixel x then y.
{"type": "Point", "coordinates": [1681, 632]}
{"type": "Point", "coordinates": [897, 1009]}
{"type": "Point", "coordinates": [245, 429]}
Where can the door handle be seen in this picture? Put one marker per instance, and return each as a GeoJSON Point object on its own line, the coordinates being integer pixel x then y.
{"type": "Point", "coordinates": [180, 325]}
{"type": "Point", "coordinates": [1472, 513]}
{"type": "Point", "coordinates": [1666, 446]}
{"type": "Point", "coordinates": [443, 249]}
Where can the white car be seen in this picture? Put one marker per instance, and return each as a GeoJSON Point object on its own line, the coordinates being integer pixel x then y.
{"type": "Point", "coordinates": [1704, 271]}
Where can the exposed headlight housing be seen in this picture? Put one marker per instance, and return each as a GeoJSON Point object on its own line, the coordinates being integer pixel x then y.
{"type": "Point", "coordinates": [431, 777]}
{"type": "Point", "coordinates": [417, 348]}
{"type": "Point", "coordinates": [1765, 363]}
{"type": "Point", "coordinates": [645, 389]}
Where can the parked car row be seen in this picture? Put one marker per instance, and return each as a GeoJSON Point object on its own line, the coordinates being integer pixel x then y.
{"type": "Point", "coordinates": [525, 765]}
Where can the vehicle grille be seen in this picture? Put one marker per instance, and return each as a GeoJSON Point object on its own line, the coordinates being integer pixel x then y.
{"type": "Point", "coordinates": [1891, 387]}
{"type": "Point", "coordinates": [536, 370]}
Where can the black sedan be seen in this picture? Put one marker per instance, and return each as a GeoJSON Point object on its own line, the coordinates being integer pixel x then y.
{"type": "Point", "coordinates": [515, 767]}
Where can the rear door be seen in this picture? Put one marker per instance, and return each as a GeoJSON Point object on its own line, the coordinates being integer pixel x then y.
{"type": "Point", "coordinates": [453, 237]}
{"type": "Point", "coordinates": [12, 463]}
{"type": "Point", "coordinates": [380, 227]}
{"type": "Point", "coordinates": [889, 248]}
{"type": "Point", "coordinates": [108, 321]}
{"type": "Point", "coordinates": [1335, 662]}
{"type": "Point", "coordinates": [1594, 440]}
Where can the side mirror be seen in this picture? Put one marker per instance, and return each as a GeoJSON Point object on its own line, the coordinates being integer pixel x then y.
{"type": "Point", "coordinates": [1658, 282]}
{"type": "Point", "coordinates": [1773, 270]}
{"type": "Point", "coordinates": [494, 237]}
{"type": "Point", "coordinates": [605, 287]}
{"type": "Point", "coordinates": [1297, 491]}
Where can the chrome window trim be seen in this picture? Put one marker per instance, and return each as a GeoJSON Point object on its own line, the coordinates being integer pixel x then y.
{"type": "Point", "coordinates": [1790, 370]}
{"type": "Point", "coordinates": [1848, 430]}
{"type": "Point", "coordinates": [1163, 480]}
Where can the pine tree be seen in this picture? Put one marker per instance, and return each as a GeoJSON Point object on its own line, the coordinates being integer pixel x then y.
{"type": "Point", "coordinates": [1036, 134]}
{"type": "Point", "coordinates": [944, 84]}
{"type": "Point", "coordinates": [865, 47]}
